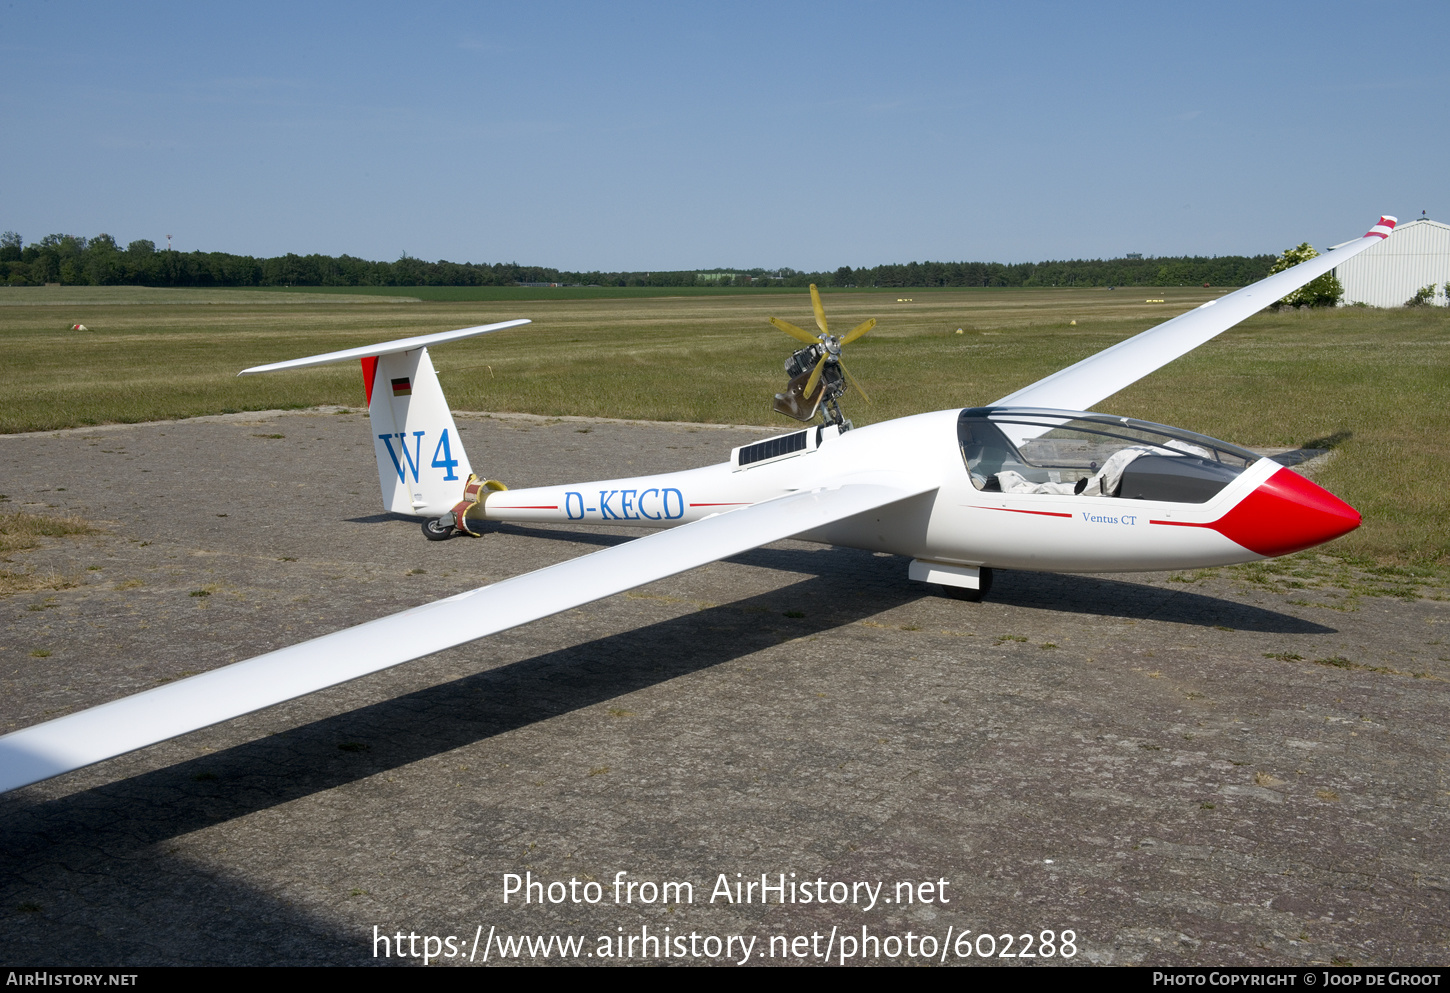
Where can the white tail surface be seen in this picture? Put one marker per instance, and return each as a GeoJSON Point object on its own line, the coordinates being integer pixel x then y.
{"type": "Point", "coordinates": [422, 467]}
{"type": "Point", "coordinates": [384, 348]}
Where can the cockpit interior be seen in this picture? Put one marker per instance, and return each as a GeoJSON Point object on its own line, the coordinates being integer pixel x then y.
{"type": "Point", "coordinates": [1031, 450]}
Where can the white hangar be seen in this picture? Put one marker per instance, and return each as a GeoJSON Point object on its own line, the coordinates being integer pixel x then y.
{"type": "Point", "coordinates": [1388, 274]}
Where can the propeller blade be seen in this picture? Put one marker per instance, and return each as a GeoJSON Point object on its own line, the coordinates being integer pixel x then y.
{"type": "Point", "coordinates": [820, 311]}
{"type": "Point", "coordinates": [815, 379]}
{"type": "Point", "coordinates": [852, 379]}
{"type": "Point", "coordinates": [795, 332]}
{"type": "Point", "coordinates": [858, 331]}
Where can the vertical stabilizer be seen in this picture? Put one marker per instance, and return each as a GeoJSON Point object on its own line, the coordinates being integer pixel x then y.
{"type": "Point", "coordinates": [422, 467]}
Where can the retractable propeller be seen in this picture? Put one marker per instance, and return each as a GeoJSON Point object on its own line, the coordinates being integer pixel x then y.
{"type": "Point", "coordinates": [807, 391]}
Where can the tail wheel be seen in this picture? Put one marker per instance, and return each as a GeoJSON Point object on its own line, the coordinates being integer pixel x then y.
{"type": "Point", "coordinates": [984, 580]}
{"type": "Point", "coordinates": [434, 529]}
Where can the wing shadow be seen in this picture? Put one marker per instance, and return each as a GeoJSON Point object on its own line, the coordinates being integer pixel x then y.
{"type": "Point", "coordinates": [116, 832]}
{"type": "Point", "coordinates": [305, 760]}
{"type": "Point", "coordinates": [166, 803]}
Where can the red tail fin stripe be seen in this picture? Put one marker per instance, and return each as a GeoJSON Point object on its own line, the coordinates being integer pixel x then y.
{"type": "Point", "coordinates": [370, 372]}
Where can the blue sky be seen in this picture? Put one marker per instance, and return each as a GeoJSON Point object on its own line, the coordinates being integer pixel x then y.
{"type": "Point", "coordinates": [678, 136]}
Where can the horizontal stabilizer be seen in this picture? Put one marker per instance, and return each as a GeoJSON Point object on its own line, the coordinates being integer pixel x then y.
{"type": "Point", "coordinates": [386, 348]}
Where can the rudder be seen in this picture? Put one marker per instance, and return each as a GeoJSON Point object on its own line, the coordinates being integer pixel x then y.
{"type": "Point", "coordinates": [422, 464]}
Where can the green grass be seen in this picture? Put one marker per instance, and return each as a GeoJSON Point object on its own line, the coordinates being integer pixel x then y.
{"type": "Point", "coordinates": [454, 294]}
{"type": "Point", "coordinates": [89, 296]}
{"type": "Point", "coordinates": [1376, 382]}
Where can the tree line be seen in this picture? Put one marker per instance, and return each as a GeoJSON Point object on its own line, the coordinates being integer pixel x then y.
{"type": "Point", "coordinates": [100, 261]}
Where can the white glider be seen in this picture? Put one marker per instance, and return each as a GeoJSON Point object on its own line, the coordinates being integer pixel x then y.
{"type": "Point", "coordinates": [1033, 481]}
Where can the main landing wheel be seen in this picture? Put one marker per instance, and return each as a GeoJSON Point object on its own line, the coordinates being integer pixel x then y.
{"type": "Point", "coordinates": [971, 596]}
{"type": "Point", "coordinates": [435, 530]}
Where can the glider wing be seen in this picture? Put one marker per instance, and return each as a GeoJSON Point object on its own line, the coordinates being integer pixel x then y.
{"type": "Point", "coordinates": [1080, 386]}
{"type": "Point", "coordinates": [111, 729]}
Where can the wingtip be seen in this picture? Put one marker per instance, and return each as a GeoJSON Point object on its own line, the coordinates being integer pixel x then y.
{"type": "Point", "coordinates": [1383, 229]}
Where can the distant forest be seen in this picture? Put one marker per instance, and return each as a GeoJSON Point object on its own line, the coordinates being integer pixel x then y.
{"type": "Point", "coordinates": [100, 261]}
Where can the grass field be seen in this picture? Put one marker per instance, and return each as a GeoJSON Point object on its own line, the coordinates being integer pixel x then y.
{"type": "Point", "coordinates": [1376, 384]}
{"type": "Point", "coordinates": [114, 296]}
{"type": "Point", "coordinates": [504, 294]}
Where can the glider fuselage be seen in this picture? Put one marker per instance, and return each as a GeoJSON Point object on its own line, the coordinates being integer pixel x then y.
{"type": "Point", "coordinates": [959, 523]}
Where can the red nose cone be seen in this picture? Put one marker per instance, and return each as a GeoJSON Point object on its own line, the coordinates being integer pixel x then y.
{"type": "Point", "coordinates": [1287, 513]}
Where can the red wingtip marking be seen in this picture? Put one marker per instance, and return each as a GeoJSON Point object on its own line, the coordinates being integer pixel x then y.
{"type": "Point", "coordinates": [370, 371]}
{"type": "Point", "coordinates": [1386, 222]}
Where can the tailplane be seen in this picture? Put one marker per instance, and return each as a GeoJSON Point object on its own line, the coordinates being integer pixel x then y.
{"type": "Point", "coordinates": [422, 465]}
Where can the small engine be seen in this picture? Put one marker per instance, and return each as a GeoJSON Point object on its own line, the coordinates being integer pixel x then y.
{"type": "Point", "coordinates": [802, 361]}
{"type": "Point", "coordinates": [817, 366]}
{"type": "Point", "coordinates": [795, 403]}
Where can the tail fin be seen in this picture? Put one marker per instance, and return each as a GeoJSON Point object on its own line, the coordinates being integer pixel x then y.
{"type": "Point", "coordinates": [422, 467]}
{"type": "Point", "coordinates": [421, 462]}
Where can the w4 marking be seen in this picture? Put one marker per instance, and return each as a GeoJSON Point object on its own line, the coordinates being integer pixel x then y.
{"type": "Point", "coordinates": [442, 455]}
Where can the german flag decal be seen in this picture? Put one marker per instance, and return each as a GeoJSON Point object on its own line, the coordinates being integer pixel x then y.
{"type": "Point", "coordinates": [402, 388]}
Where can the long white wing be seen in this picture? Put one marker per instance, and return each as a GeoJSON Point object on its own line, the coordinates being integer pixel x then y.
{"type": "Point", "coordinates": [1098, 376]}
{"type": "Point", "coordinates": [385, 348]}
{"type": "Point", "coordinates": [58, 746]}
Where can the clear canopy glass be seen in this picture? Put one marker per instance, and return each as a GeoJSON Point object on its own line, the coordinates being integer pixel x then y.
{"type": "Point", "coordinates": [1033, 450]}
